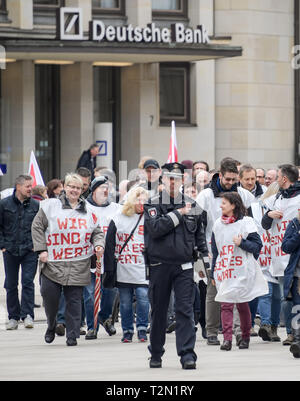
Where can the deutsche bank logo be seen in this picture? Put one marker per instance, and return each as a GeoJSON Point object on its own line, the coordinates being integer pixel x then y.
{"type": "Point", "coordinates": [70, 24]}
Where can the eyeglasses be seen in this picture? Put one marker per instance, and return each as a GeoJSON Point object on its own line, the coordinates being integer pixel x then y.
{"type": "Point", "coordinates": [74, 187]}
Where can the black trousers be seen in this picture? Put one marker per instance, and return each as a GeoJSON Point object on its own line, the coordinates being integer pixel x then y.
{"type": "Point", "coordinates": [162, 279]}
{"type": "Point", "coordinates": [51, 293]}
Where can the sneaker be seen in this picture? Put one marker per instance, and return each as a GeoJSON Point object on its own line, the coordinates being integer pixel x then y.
{"type": "Point", "coordinates": [91, 335]}
{"type": "Point", "coordinates": [109, 328]}
{"type": "Point", "coordinates": [28, 322]}
{"type": "Point", "coordinates": [82, 331]}
{"type": "Point", "coordinates": [12, 325]}
{"type": "Point", "coordinates": [127, 338]}
{"type": "Point", "coordinates": [142, 336]}
{"type": "Point", "coordinates": [60, 330]}
{"type": "Point", "coordinates": [213, 340]}
{"type": "Point", "coordinates": [289, 340]}
{"type": "Point", "coordinates": [253, 332]}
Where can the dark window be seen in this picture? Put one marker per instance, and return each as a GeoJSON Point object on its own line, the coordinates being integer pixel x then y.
{"type": "Point", "coordinates": [47, 120]}
{"type": "Point", "coordinates": [2, 6]}
{"type": "Point", "coordinates": [108, 7]}
{"type": "Point", "coordinates": [170, 8]}
{"type": "Point", "coordinates": [46, 4]}
{"type": "Point", "coordinates": [174, 93]}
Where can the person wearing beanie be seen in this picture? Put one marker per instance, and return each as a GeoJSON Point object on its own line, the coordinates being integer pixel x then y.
{"type": "Point", "coordinates": [105, 211]}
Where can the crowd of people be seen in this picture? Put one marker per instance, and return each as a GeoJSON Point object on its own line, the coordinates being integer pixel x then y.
{"type": "Point", "coordinates": [180, 246]}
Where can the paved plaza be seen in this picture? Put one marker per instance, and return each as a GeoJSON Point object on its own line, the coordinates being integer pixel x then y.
{"type": "Point", "coordinates": [25, 356]}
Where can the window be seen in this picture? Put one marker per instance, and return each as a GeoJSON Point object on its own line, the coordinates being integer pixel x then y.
{"type": "Point", "coordinates": [109, 7]}
{"type": "Point", "coordinates": [170, 8]}
{"type": "Point", "coordinates": [48, 4]}
{"type": "Point", "coordinates": [44, 11]}
{"type": "Point", "coordinates": [2, 6]}
{"type": "Point", "coordinates": [174, 93]}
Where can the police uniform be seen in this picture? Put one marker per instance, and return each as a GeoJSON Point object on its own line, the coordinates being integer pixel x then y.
{"type": "Point", "coordinates": [170, 239]}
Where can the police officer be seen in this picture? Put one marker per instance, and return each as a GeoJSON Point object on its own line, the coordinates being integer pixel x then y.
{"type": "Point", "coordinates": [173, 228]}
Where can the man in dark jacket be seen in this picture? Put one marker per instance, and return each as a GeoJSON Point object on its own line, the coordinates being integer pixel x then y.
{"type": "Point", "coordinates": [88, 159]}
{"type": "Point", "coordinates": [16, 215]}
{"type": "Point", "coordinates": [173, 228]}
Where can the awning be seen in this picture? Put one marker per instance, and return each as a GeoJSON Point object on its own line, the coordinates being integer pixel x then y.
{"type": "Point", "coordinates": [87, 51]}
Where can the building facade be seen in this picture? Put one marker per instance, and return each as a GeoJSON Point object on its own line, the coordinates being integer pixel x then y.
{"type": "Point", "coordinates": [118, 72]}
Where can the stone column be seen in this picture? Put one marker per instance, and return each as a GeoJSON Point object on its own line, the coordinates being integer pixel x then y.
{"type": "Point", "coordinates": [77, 118]}
{"type": "Point", "coordinates": [20, 12]}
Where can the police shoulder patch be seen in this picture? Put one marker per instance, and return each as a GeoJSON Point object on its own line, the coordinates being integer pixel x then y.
{"type": "Point", "coordinates": [152, 212]}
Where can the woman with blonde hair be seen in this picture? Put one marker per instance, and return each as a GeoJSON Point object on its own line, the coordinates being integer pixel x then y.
{"type": "Point", "coordinates": [123, 259]}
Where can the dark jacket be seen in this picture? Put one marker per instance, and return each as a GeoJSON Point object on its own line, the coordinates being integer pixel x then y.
{"type": "Point", "coordinates": [251, 244]}
{"type": "Point", "coordinates": [15, 224]}
{"type": "Point", "coordinates": [291, 192]}
{"type": "Point", "coordinates": [291, 245]}
{"type": "Point", "coordinates": [86, 160]}
{"type": "Point", "coordinates": [170, 238]}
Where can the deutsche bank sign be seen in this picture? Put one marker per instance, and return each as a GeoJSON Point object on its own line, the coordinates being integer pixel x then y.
{"type": "Point", "coordinates": [71, 28]}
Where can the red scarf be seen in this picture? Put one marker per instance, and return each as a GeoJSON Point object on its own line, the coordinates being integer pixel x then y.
{"type": "Point", "coordinates": [228, 220]}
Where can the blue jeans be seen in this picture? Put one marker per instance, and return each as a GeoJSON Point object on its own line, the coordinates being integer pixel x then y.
{"type": "Point", "coordinates": [12, 264]}
{"type": "Point", "coordinates": [286, 308]}
{"type": "Point", "coordinates": [270, 305]}
{"type": "Point", "coordinates": [107, 301]}
{"type": "Point", "coordinates": [126, 308]}
{"type": "Point", "coordinates": [295, 316]}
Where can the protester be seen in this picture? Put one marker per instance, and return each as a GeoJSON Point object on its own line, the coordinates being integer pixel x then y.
{"type": "Point", "coordinates": [291, 245]}
{"type": "Point", "coordinates": [54, 188]}
{"type": "Point", "coordinates": [248, 181]}
{"type": "Point", "coordinates": [235, 272]}
{"type": "Point", "coordinates": [105, 211]}
{"type": "Point", "coordinates": [173, 228]}
{"type": "Point", "coordinates": [39, 193]}
{"type": "Point", "coordinates": [16, 215]}
{"type": "Point", "coordinates": [271, 177]}
{"type": "Point", "coordinates": [281, 209]}
{"type": "Point", "coordinates": [269, 305]}
{"type": "Point", "coordinates": [85, 176]}
{"type": "Point", "coordinates": [199, 166]}
{"type": "Point", "coordinates": [65, 232]}
{"type": "Point", "coordinates": [261, 175]}
{"type": "Point", "coordinates": [88, 159]}
{"type": "Point", "coordinates": [210, 200]}
{"type": "Point", "coordinates": [153, 173]}
{"type": "Point", "coordinates": [126, 234]}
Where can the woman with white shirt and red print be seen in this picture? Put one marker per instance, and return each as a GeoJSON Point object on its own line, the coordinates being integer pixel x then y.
{"type": "Point", "coordinates": [125, 243]}
{"type": "Point", "coordinates": [236, 246]}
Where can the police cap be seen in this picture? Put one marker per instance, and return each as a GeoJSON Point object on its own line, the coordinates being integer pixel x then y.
{"type": "Point", "coordinates": [173, 170]}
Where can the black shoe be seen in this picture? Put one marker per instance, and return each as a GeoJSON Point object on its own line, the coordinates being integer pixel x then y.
{"type": "Point", "coordinates": [295, 350]}
{"type": "Point", "coordinates": [154, 363]}
{"type": "Point", "coordinates": [213, 340]}
{"type": "Point", "coordinates": [171, 327]}
{"type": "Point", "coordinates": [265, 332]}
{"type": "Point", "coordinates": [244, 344]}
{"type": "Point", "coordinates": [191, 364]}
{"type": "Point", "coordinates": [226, 346]}
{"type": "Point", "coordinates": [71, 342]}
{"type": "Point", "coordinates": [238, 339]}
{"type": "Point", "coordinates": [49, 336]}
{"type": "Point", "coordinates": [60, 330]}
{"type": "Point", "coordinates": [109, 328]}
{"type": "Point", "coordinates": [204, 334]}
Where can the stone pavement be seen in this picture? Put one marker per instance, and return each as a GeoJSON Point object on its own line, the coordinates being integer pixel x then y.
{"type": "Point", "coordinates": [25, 356]}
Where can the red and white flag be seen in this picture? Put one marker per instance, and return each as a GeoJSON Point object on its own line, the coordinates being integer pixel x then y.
{"type": "Point", "coordinates": [35, 172]}
{"type": "Point", "coordinates": [173, 152]}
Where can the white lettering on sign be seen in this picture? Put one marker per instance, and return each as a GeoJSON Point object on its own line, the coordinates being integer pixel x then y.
{"type": "Point", "coordinates": [99, 32]}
